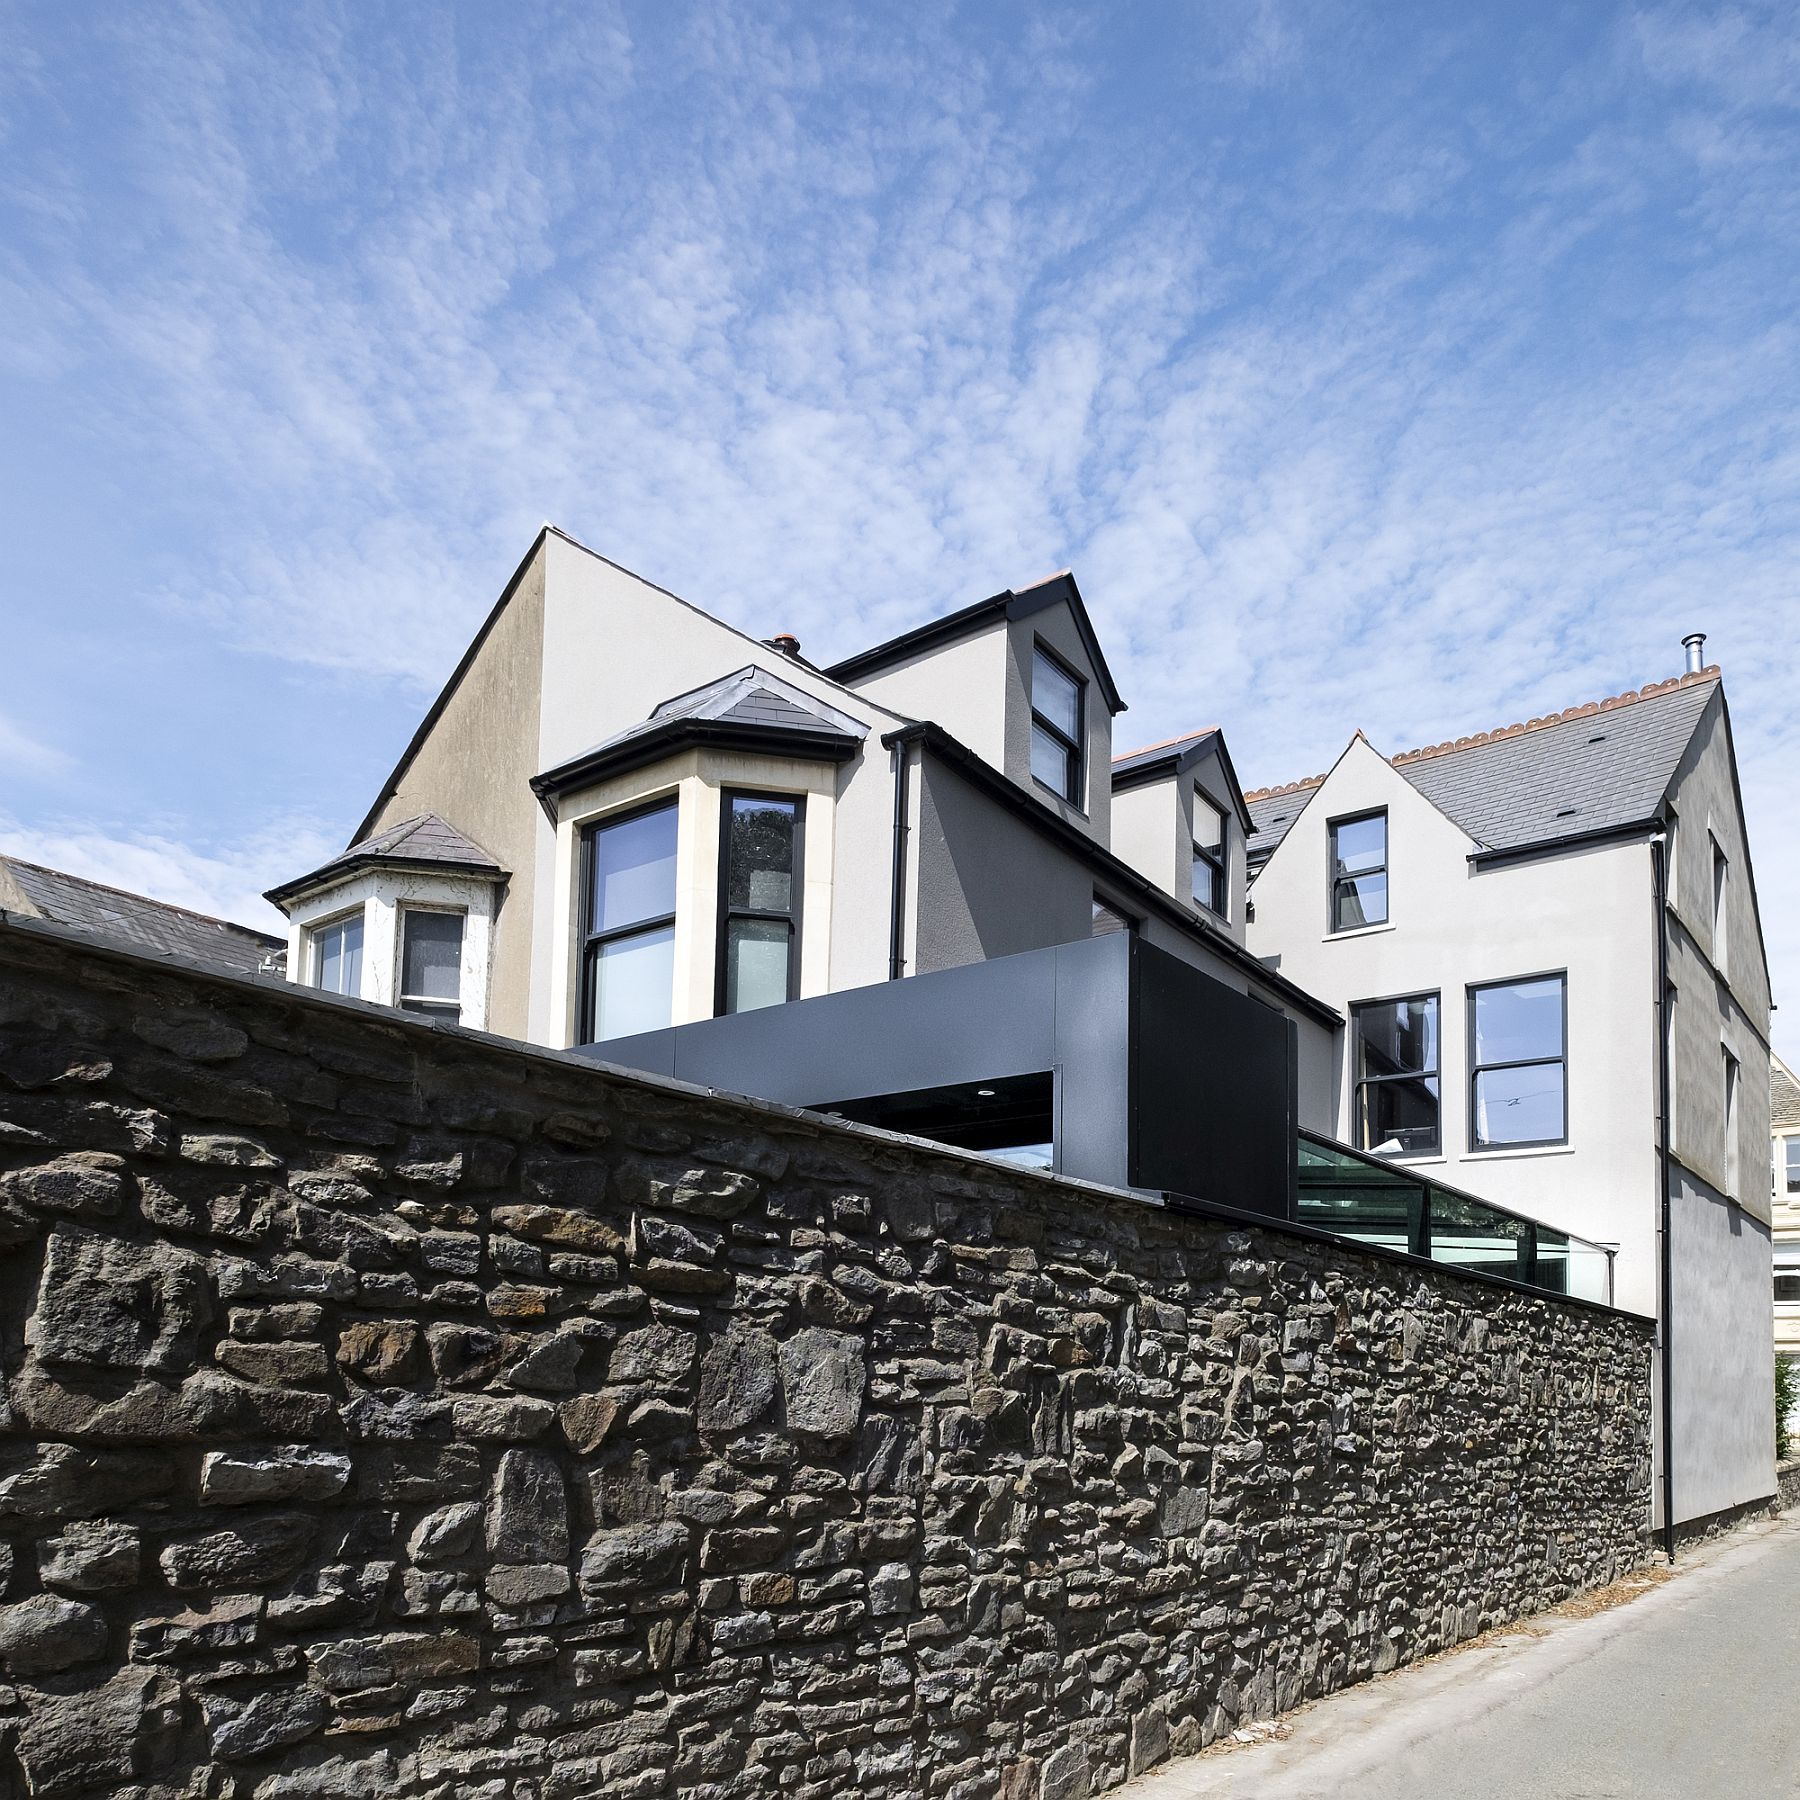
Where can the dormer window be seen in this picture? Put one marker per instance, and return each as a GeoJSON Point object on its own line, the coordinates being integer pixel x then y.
{"type": "Point", "coordinates": [1057, 698]}
{"type": "Point", "coordinates": [1209, 854]}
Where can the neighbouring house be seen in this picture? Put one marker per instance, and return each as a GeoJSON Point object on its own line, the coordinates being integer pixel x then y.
{"type": "Point", "coordinates": [90, 907]}
{"type": "Point", "coordinates": [623, 817]}
{"type": "Point", "coordinates": [1784, 1131]}
{"type": "Point", "coordinates": [1545, 940]}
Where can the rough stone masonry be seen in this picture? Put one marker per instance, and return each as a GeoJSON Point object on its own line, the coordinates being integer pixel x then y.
{"type": "Point", "coordinates": [393, 1411]}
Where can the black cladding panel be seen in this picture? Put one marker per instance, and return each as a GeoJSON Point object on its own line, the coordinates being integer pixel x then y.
{"type": "Point", "coordinates": [1213, 1089]}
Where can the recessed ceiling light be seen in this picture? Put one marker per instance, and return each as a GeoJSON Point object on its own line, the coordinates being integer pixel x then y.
{"type": "Point", "coordinates": [984, 1093]}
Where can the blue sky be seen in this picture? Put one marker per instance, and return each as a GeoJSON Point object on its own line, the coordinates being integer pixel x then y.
{"type": "Point", "coordinates": [1416, 369]}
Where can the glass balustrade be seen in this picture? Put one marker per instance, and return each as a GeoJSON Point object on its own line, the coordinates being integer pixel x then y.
{"type": "Point", "coordinates": [1374, 1202]}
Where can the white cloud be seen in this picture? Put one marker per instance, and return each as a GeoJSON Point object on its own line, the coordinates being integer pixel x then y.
{"type": "Point", "coordinates": [22, 752]}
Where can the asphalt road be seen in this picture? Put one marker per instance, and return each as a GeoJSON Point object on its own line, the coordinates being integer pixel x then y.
{"type": "Point", "coordinates": [1690, 1692]}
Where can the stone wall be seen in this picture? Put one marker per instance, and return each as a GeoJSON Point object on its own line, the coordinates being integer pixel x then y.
{"type": "Point", "coordinates": [393, 1411]}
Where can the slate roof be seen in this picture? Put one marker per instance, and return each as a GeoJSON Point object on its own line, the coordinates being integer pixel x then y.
{"type": "Point", "coordinates": [750, 699]}
{"type": "Point", "coordinates": [1784, 1096]}
{"type": "Point", "coordinates": [1170, 750]}
{"type": "Point", "coordinates": [425, 840]}
{"type": "Point", "coordinates": [1594, 768]}
{"type": "Point", "coordinates": [142, 923]}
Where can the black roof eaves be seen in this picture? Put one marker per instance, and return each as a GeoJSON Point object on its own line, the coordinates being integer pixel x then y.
{"type": "Point", "coordinates": [686, 732]}
{"type": "Point", "coordinates": [935, 633]}
{"type": "Point", "coordinates": [436, 710]}
{"type": "Point", "coordinates": [932, 635]}
{"type": "Point", "coordinates": [1064, 587]}
{"type": "Point", "coordinates": [1119, 873]}
{"type": "Point", "coordinates": [332, 872]}
{"type": "Point", "coordinates": [1486, 857]}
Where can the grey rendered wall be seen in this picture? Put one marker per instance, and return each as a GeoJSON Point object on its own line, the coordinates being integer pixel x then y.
{"type": "Point", "coordinates": [986, 883]}
{"type": "Point", "coordinates": [1722, 1354]}
{"type": "Point", "coordinates": [473, 769]}
{"type": "Point", "coordinates": [1713, 1013]}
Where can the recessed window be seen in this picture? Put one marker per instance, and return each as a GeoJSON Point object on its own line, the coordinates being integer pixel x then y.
{"type": "Point", "coordinates": [1397, 1075]}
{"type": "Point", "coordinates": [628, 947]}
{"type": "Point", "coordinates": [1359, 872]}
{"type": "Point", "coordinates": [1792, 1169]}
{"type": "Point", "coordinates": [1721, 883]}
{"type": "Point", "coordinates": [759, 922]}
{"type": "Point", "coordinates": [1209, 854]}
{"type": "Point", "coordinates": [1731, 1124]}
{"type": "Point", "coordinates": [431, 946]}
{"type": "Point", "coordinates": [338, 955]}
{"type": "Point", "coordinates": [1787, 1287]}
{"type": "Point", "coordinates": [1518, 1057]}
{"type": "Point", "coordinates": [1108, 919]}
{"type": "Point", "coordinates": [1056, 709]}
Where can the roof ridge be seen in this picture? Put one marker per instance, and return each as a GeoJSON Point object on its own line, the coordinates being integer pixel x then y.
{"type": "Point", "coordinates": [106, 887]}
{"type": "Point", "coordinates": [1181, 737]}
{"type": "Point", "coordinates": [1585, 710]}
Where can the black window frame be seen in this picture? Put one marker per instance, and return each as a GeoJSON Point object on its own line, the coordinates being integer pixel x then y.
{"type": "Point", "coordinates": [1785, 1273]}
{"type": "Point", "coordinates": [727, 912]}
{"type": "Point", "coordinates": [1721, 906]}
{"type": "Point", "coordinates": [1359, 1080]}
{"type": "Point", "coordinates": [592, 940]}
{"type": "Point", "coordinates": [419, 1003]}
{"type": "Point", "coordinates": [1219, 861]}
{"type": "Point", "coordinates": [1477, 1069]}
{"type": "Point", "coordinates": [1077, 745]}
{"type": "Point", "coordinates": [1732, 1071]}
{"type": "Point", "coordinates": [1333, 880]}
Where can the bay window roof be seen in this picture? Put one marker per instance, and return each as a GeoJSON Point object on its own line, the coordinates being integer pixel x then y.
{"type": "Point", "coordinates": [749, 709]}
{"type": "Point", "coordinates": [426, 844]}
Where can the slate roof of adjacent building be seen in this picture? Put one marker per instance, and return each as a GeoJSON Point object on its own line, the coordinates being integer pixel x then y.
{"type": "Point", "coordinates": [749, 700]}
{"type": "Point", "coordinates": [142, 923]}
{"type": "Point", "coordinates": [1595, 768]}
{"type": "Point", "coordinates": [425, 841]}
{"type": "Point", "coordinates": [1784, 1096]}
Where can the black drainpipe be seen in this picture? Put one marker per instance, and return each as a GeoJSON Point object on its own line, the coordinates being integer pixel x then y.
{"type": "Point", "coordinates": [901, 751]}
{"type": "Point", "coordinates": [1658, 853]}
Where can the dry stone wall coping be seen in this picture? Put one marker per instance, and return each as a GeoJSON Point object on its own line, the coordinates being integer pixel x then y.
{"type": "Point", "coordinates": [395, 1411]}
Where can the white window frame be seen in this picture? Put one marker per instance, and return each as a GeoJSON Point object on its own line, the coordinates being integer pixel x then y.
{"type": "Point", "coordinates": [421, 1004]}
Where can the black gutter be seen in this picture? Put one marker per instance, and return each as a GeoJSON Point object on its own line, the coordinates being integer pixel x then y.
{"type": "Point", "coordinates": [935, 633]}
{"type": "Point", "coordinates": [682, 734]}
{"type": "Point", "coordinates": [1115, 872]}
{"type": "Point", "coordinates": [1576, 840]}
{"type": "Point", "coordinates": [1658, 859]}
{"type": "Point", "coordinates": [408, 865]}
{"type": "Point", "coordinates": [902, 756]}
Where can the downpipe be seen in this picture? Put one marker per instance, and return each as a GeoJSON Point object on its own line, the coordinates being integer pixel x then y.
{"type": "Point", "coordinates": [1666, 1270]}
{"type": "Point", "coordinates": [897, 906]}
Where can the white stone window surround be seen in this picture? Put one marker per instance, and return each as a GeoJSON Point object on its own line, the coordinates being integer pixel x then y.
{"type": "Point", "coordinates": [695, 779]}
{"type": "Point", "coordinates": [381, 895]}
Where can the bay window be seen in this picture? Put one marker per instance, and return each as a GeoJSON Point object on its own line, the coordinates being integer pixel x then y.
{"type": "Point", "coordinates": [758, 955]}
{"type": "Point", "coordinates": [431, 951]}
{"type": "Point", "coordinates": [337, 950]}
{"type": "Point", "coordinates": [628, 936]}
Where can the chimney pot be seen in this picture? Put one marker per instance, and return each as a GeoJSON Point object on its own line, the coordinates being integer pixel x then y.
{"type": "Point", "coordinates": [1695, 644]}
{"type": "Point", "coordinates": [786, 643]}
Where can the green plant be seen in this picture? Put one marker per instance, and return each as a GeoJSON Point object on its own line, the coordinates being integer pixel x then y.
{"type": "Point", "coordinates": [1787, 1395]}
